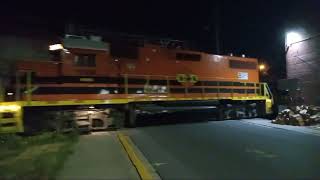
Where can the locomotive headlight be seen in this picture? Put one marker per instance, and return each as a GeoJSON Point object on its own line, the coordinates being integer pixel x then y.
{"type": "Point", "coordinates": [55, 47]}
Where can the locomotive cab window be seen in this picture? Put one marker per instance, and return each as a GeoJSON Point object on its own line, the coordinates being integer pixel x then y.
{"type": "Point", "coordinates": [85, 60]}
{"type": "Point", "coordinates": [236, 64]}
{"type": "Point", "coordinates": [188, 57]}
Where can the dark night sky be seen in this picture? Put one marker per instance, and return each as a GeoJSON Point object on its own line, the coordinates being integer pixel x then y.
{"type": "Point", "coordinates": [252, 27]}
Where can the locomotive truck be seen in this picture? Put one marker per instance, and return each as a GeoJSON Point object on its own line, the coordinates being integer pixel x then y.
{"type": "Point", "coordinates": [87, 75]}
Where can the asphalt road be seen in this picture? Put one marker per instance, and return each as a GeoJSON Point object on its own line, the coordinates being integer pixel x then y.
{"type": "Point", "coordinates": [228, 150]}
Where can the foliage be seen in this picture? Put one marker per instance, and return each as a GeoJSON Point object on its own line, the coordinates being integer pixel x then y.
{"type": "Point", "coordinates": [34, 157]}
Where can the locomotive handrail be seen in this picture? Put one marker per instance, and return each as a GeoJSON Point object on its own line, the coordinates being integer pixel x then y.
{"type": "Point", "coordinates": [2, 93]}
{"type": "Point", "coordinates": [174, 77]}
{"type": "Point", "coordinates": [220, 88]}
{"type": "Point", "coordinates": [260, 89]}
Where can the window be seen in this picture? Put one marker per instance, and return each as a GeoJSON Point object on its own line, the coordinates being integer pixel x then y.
{"type": "Point", "coordinates": [188, 57]}
{"type": "Point", "coordinates": [242, 64]}
{"type": "Point", "coordinates": [85, 60]}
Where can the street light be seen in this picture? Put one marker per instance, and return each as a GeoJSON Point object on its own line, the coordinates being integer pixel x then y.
{"type": "Point", "coordinates": [262, 67]}
{"type": "Point", "coordinates": [293, 37]}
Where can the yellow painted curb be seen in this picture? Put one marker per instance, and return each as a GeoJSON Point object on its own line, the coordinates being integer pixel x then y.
{"type": "Point", "coordinates": [141, 167]}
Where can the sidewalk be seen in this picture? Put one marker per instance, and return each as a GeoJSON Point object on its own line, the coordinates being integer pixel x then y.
{"type": "Point", "coordinates": [314, 130]}
{"type": "Point", "coordinates": [98, 156]}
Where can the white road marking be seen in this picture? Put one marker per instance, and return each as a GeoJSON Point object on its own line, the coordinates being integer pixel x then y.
{"type": "Point", "coordinates": [159, 164]}
{"type": "Point", "coordinates": [261, 153]}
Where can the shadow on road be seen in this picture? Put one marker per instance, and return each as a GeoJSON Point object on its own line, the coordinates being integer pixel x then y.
{"type": "Point", "coordinates": [168, 118]}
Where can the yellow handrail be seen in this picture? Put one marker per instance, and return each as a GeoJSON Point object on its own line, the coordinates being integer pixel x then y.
{"type": "Point", "coordinates": [29, 86]}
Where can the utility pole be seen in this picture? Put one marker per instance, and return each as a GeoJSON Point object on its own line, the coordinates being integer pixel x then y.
{"type": "Point", "coordinates": [217, 26]}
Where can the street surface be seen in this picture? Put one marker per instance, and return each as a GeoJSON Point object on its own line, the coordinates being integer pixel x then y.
{"type": "Point", "coordinates": [228, 150]}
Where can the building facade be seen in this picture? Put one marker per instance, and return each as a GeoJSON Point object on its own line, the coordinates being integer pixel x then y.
{"type": "Point", "coordinates": [303, 65]}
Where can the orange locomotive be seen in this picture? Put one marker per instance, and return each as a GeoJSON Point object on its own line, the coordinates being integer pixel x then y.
{"type": "Point", "coordinates": [88, 71]}
{"type": "Point", "coordinates": [85, 69]}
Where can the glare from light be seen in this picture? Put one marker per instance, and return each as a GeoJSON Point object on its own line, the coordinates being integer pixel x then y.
{"type": "Point", "coordinates": [104, 91]}
{"type": "Point", "coordinates": [66, 51]}
{"type": "Point", "coordinates": [55, 47]}
{"type": "Point", "coordinates": [91, 107]}
{"type": "Point", "coordinates": [262, 67]}
{"type": "Point", "coordinates": [217, 58]}
{"type": "Point", "coordinates": [9, 108]}
{"type": "Point", "coordinates": [9, 93]}
{"type": "Point", "coordinates": [293, 37]}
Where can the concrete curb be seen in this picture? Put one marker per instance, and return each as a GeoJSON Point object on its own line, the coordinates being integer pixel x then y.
{"type": "Point", "coordinates": [308, 131]}
{"type": "Point", "coordinates": [144, 168]}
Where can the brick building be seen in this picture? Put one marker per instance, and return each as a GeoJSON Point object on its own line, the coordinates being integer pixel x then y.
{"type": "Point", "coordinates": [303, 64]}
